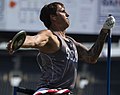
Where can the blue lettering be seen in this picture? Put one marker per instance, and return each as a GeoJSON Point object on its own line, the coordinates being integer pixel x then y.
{"type": "Point", "coordinates": [111, 2]}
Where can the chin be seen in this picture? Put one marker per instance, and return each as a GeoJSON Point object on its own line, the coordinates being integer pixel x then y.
{"type": "Point", "coordinates": [67, 25]}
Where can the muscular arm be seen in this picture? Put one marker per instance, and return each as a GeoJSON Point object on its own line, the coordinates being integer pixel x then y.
{"type": "Point", "coordinates": [91, 55]}
{"type": "Point", "coordinates": [45, 41]}
{"type": "Point", "coordinates": [38, 40]}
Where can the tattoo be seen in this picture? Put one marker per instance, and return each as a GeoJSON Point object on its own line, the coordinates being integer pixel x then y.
{"type": "Point", "coordinates": [98, 46]}
{"type": "Point", "coordinates": [91, 55]}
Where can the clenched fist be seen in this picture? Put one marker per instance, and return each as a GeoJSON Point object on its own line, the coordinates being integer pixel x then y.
{"type": "Point", "coordinates": [109, 23]}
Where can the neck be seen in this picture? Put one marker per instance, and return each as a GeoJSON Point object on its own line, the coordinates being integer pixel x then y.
{"type": "Point", "coordinates": [59, 32]}
{"type": "Point", "coordinates": [57, 27]}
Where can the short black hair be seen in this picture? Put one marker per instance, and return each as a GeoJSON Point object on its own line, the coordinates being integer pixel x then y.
{"type": "Point", "coordinates": [48, 10]}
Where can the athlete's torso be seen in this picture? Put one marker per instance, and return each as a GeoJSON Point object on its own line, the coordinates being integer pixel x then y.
{"type": "Point", "coordinates": [59, 70]}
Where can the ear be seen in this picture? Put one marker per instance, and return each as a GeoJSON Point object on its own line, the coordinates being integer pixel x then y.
{"type": "Point", "coordinates": [52, 17]}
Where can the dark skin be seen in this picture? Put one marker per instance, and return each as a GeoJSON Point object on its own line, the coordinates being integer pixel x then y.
{"type": "Point", "coordinates": [47, 42]}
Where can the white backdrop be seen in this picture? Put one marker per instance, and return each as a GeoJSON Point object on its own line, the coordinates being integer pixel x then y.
{"type": "Point", "coordinates": [86, 16]}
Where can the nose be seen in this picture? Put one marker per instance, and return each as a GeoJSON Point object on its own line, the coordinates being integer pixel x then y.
{"type": "Point", "coordinates": [67, 15]}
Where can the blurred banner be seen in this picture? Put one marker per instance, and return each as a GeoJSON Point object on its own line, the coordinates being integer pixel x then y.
{"type": "Point", "coordinates": [86, 16]}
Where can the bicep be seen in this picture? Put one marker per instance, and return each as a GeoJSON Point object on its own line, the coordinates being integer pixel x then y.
{"type": "Point", "coordinates": [41, 39]}
{"type": "Point", "coordinates": [84, 53]}
{"type": "Point", "coordinates": [36, 41]}
{"type": "Point", "coordinates": [82, 50]}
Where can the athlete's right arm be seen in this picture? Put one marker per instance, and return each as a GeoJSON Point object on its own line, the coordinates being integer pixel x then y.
{"type": "Point", "coordinates": [38, 40]}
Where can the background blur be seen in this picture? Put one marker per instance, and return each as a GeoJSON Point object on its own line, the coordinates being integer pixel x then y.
{"type": "Point", "coordinates": [86, 17]}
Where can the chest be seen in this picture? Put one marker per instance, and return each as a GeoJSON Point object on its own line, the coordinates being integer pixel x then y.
{"type": "Point", "coordinates": [71, 51]}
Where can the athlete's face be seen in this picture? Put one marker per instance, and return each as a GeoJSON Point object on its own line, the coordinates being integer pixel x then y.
{"type": "Point", "coordinates": [62, 17]}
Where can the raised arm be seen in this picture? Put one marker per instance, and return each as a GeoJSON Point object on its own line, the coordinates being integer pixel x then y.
{"type": "Point", "coordinates": [91, 55]}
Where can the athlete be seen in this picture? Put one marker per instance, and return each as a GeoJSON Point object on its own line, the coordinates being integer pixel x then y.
{"type": "Point", "coordinates": [58, 53]}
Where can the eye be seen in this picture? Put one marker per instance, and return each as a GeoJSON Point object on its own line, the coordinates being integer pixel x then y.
{"type": "Point", "coordinates": [63, 11]}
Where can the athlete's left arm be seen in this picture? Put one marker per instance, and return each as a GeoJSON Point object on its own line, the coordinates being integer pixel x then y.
{"type": "Point", "coordinates": [91, 55]}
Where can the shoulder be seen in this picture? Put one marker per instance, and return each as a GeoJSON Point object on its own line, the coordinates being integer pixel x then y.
{"type": "Point", "coordinates": [72, 39]}
{"type": "Point", "coordinates": [78, 44]}
{"type": "Point", "coordinates": [48, 32]}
